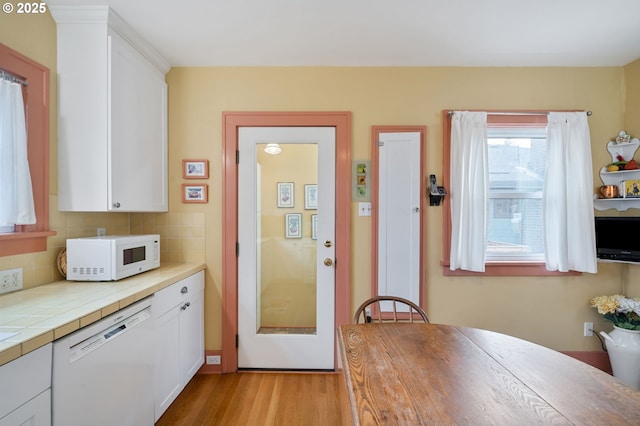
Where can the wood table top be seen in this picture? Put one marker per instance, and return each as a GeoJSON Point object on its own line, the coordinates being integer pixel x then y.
{"type": "Point", "coordinates": [418, 374]}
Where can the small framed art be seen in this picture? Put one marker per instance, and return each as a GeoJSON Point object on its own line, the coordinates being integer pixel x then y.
{"type": "Point", "coordinates": [314, 226]}
{"type": "Point", "coordinates": [311, 197]}
{"type": "Point", "coordinates": [195, 169]}
{"type": "Point", "coordinates": [293, 225]}
{"type": "Point", "coordinates": [194, 193]}
{"type": "Point", "coordinates": [285, 194]}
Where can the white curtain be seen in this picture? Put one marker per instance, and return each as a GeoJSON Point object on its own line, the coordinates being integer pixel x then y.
{"type": "Point", "coordinates": [568, 216]}
{"type": "Point", "coordinates": [16, 192]}
{"type": "Point", "coordinates": [469, 180]}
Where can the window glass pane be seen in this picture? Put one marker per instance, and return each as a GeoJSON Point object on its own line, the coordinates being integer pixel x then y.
{"type": "Point", "coordinates": [517, 160]}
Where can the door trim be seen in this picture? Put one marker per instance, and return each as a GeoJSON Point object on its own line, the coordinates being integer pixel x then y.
{"type": "Point", "coordinates": [231, 121]}
{"type": "Point", "coordinates": [375, 166]}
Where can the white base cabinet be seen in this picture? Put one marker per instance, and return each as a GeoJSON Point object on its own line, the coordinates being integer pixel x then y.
{"type": "Point", "coordinates": [25, 386]}
{"type": "Point", "coordinates": [179, 320]}
{"type": "Point", "coordinates": [112, 115]}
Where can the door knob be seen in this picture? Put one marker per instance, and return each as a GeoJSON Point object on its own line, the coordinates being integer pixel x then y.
{"type": "Point", "coordinates": [327, 243]}
{"type": "Point", "coordinates": [328, 261]}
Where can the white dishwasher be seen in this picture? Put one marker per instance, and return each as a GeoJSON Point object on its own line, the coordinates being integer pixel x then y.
{"type": "Point", "coordinates": [103, 373]}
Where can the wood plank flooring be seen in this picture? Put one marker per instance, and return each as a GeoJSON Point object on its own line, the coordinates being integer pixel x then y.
{"type": "Point", "coordinates": [258, 398]}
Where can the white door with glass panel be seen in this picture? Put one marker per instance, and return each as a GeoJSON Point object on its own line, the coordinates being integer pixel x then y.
{"type": "Point", "coordinates": [286, 235]}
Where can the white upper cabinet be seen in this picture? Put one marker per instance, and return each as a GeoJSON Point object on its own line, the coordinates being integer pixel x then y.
{"type": "Point", "coordinates": [112, 114]}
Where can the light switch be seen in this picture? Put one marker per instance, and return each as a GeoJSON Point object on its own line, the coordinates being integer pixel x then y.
{"type": "Point", "coordinates": [364, 209]}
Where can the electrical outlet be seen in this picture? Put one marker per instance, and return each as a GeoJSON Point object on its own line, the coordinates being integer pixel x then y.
{"type": "Point", "coordinates": [10, 280]}
{"type": "Point", "coordinates": [213, 359]}
{"type": "Point", "coordinates": [588, 329]}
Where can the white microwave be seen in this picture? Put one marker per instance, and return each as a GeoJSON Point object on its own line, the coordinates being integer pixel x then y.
{"type": "Point", "coordinates": [111, 258]}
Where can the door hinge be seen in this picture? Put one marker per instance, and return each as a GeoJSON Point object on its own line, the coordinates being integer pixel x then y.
{"type": "Point", "coordinates": [237, 249]}
{"type": "Point", "coordinates": [380, 143]}
{"type": "Point", "coordinates": [237, 157]}
{"type": "Point", "coordinates": [236, 340]}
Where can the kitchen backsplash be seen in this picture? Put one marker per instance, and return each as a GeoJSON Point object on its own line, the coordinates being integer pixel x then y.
{"type": "Point", "coordinates": [181, 238]}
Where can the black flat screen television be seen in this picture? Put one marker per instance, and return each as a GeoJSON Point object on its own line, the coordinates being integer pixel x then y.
{"type": "Point", "coordinates": [617, 238]}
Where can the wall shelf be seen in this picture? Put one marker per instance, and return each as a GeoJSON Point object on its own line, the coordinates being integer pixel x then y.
{"type": "Point", "coordinates": [620, 204]}
{"type": "Point", "coordinates": [627, 151]}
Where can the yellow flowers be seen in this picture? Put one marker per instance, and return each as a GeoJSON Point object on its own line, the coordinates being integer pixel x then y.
{"type": "Point", "coordinates": [606, 304]}
{"type": "Point", "coordinates": [622, 311]}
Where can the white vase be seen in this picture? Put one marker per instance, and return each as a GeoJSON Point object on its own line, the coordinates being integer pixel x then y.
{"type": "Point", "coordinates": [623, 347]}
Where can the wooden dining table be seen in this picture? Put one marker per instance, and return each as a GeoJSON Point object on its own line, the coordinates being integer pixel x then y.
{"type": "Point", "coordinates": [434, 374]}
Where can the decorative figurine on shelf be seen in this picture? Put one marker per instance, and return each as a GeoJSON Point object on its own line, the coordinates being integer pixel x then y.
{"type": "Point", "coordinates": [623, 137]}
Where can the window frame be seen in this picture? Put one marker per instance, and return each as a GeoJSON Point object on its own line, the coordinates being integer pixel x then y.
{"type": "Point", "coordinates": [506, 119]}
{"type": "Point", "coordinates": [32, 238]}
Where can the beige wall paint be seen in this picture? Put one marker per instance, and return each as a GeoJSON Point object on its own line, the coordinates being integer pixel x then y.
{"type": "Point", "coordinates": [546, 310]}
{"type": "Point", "coordinates": [525, 307]}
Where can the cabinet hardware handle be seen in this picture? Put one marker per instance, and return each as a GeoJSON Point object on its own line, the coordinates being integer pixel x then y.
{"type": "Point", "coordinates": [185, 306]}
{"type": "Point", "coordinates": [116, 205]}
{"type": "Point", "coordinates": [184, 290]}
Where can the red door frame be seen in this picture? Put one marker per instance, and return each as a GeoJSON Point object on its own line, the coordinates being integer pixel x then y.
{"type": "Point", "coordinates": [375, 166]}
{"type": "Point", "coordinates": [231, 121]}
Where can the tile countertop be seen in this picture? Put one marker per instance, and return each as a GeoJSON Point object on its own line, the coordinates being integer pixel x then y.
{"type": "Point", "coordinates": [48, 312]}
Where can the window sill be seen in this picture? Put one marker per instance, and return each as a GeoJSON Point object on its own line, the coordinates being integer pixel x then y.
{"type": "Point", "coordinates": [532, 269]}
{"type": "Point", "coordinates": [24, 242]}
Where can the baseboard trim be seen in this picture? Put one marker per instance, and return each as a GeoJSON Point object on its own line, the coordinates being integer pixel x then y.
{"type": "Point", "coordinates": [211, 368]}
{"type": "Point", "coordinates": [598, 359]}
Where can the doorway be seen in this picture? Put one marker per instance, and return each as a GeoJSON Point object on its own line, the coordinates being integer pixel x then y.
{"type": "Point", "coordinates": [232, 122]}
{"type": "Point", "coordinates": [286, 283]}
{"type": "Point", "coordinates": [398, 214]}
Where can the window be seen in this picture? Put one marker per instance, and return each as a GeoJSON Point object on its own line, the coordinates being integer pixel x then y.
{"type": "Point", "coordinates": [32, 238]}
{"type": "Point", "coordinates": [517, 157]}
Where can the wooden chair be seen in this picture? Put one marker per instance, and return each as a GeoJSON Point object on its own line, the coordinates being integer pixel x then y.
{"type": "Point", "coordinates": [414, 311]}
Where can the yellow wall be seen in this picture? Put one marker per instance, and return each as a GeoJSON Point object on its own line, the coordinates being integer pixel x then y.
{"type": "Point", "coordinates": [525, 307]}
{"type": "Point", "coordinates": [549, 311]}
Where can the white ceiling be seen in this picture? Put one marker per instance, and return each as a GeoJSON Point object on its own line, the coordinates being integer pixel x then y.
{"type": "Point", "coordinates": [385, 32]}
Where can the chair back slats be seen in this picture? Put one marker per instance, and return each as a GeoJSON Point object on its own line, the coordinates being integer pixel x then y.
{"type": "Point", "coordinates": [366, 313]}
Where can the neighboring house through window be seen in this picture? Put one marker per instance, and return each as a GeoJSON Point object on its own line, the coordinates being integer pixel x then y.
{"type": "Point", "coordinates": [516, 161]}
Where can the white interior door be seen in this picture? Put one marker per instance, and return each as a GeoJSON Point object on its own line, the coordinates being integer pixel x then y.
{"type": "Point", "coordinates": [399, 215]}
{"type": "Point", "coordinates": [286, 233]}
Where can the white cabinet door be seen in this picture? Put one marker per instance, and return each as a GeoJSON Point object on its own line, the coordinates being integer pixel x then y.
{"type": "Point", "coordinates": [168, 373]}
{"type": "Point", "coordinates": [138, 139]}
{"type": "Point", "coordinates": [36, 412]}
{"type": "Point", "coordinates": [112, 115]}
{"type": "Point", "coordinates": [179, 313]}
{"type": "Point", "coordinates": [25, 385]}
{"type": "Point", "coordinates": [191, 336]}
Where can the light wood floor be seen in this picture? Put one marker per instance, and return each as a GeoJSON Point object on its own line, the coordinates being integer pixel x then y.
{"type": "Point", "coordinates": [256, 398]}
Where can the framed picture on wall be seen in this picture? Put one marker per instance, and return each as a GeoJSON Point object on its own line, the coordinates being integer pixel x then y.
{"type": "Point", "coordinates": [311, 197]}
{"type": "Point", "coordinates": [293, 225]}
{"type": "Point", "coordinates": [194, 193]}
{"type": "Point", "coordinates": [285, 194]}
{"type": "Point", "coordinates": [314, 226]}
{"type": "Point", "coordinates": [195, 169]}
